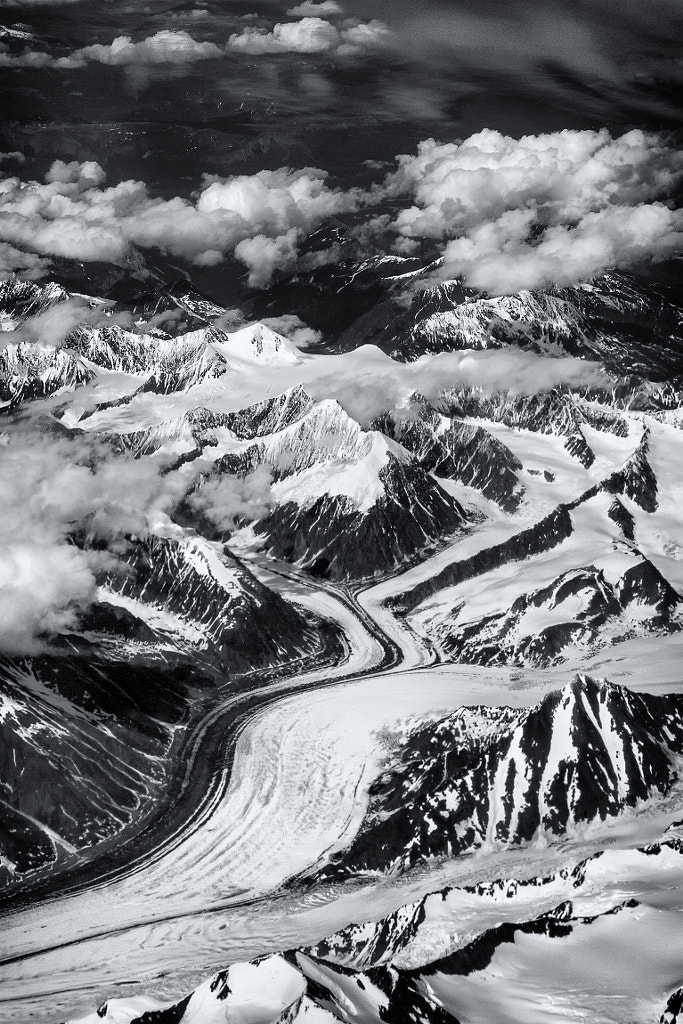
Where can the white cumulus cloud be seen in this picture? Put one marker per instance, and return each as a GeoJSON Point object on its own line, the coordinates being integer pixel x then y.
{"type": "Point", "coordinates": [74, 215]}
{"type": "Point", "coordinates": [263, 255]}
{"type": "Point", "coordinates": [311, 35]}
{"type": "Point", "coordinates": [553, 208]}
{"type": "Point", "coordinates": [499, 257]}
{"type": "Point", "coordinates": [503, 213]}
{"type": "Point", "coordinates": [165, 47]}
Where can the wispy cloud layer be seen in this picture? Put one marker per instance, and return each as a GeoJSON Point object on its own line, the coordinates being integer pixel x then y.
{"type": "Point", "coordinates": [225, 499]}
{"type": "Point", "coordinates": [51, 489]}
{"type": "Point", "coordinates": [368, 383]}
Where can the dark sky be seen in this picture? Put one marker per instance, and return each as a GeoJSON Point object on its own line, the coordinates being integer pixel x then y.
{"type": "Point", "coordinates": [448, 69]}
{"type": "Point", "coordinates": [433, 69]}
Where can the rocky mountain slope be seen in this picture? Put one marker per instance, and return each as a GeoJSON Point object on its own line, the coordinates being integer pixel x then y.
{"type": "Point", "coordinates": [205, 602]}
{"type": "Point", "coordinates": [630, 326]}
{"type": "Point", "coordinates": [346, 502]}
{"type": "Point", "coordinates": [498, 776]}
{"type": "Point", "coordinates": [88, 724]}
{"type": "Point", "coordinates": [84, 747]}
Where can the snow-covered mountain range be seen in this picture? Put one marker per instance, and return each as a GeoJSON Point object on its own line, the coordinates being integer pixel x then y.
{"type": "Point", "coordinates": [475, 500]}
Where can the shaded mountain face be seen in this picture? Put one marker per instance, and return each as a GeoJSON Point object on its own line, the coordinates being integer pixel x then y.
{"type": "Point", "coordinates": [628, 325]}
{"type": "Point", "coordinates": [558, 412]}
{"type": "Point", "coordinates": [581, 608]}
{"type": "Point", "coordinates": [84, 749]}
{"type": "Point", "coordinates": [582, 576]}
{"type": "Point", "coordinates": [206, 602]}
{"type": "Point", "coordinates": [464, 452]}
{"type": "Point", "coordinates": [20, 299]}
{"type": "Point", "coordinates": [498, 776]}
{"type": "Point", "coordinates": [102, 335]}
{"type": "Point", "coordinates": [347, 502]}
{"type": "Point", "coordinates": [92, 727]}
{"type": "Point", "coordinates": [418, 933]}
{"type": "Point", "coordinates": [32, 370]}
{"type": "Point", "coordinates": [674, 1008]}
{"type": "Point", "coordinates": [332, 537]}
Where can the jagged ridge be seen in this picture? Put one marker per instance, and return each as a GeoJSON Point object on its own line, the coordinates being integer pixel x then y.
{"type": "Point", "coordinates": [458, 451]}
{"type": "Point", "coordinates": [241, 623]}
{"type": "Point", "coordinates": [583, 753]}
{"type": "Point", "coordinates": [580, 604]}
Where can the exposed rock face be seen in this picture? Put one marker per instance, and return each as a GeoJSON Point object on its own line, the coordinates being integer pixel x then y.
{"type": "Point", "coordinates": [577, 445]}
{"type": "Point", "coordinates": [267, 991]}
{"type": "Point", "coordinates": [632, 329]}
{"type": "Point", "coordinates": [568, 548]}
{"type": "Point", "coordinates": [195, 429]}
{"type": "Point", "coordinates": [86, 728]}
{"type": "Point", "coordinates": [164, 363]}
{"type": "Point", "coordinates": [332, 537]}
{"type": "Point", "coordinates": [173, 363]}
{"type": "Point", "coordinates": [674, 1008]}
{"type": "Point", "coordinates": [36, 371]}
{"type": "Point", "coordinates": [551, 412]}
{"type": "Point", "coordinates": [198, 428]}
{"type": "Point", "coordinates": [376, 979]}
{"type": "Point", "coordinates": [580, 607]}
{"type": "Point", "coordinates": [623, 519]}
{"type": "Point", "coordinates": [83, 742]}
{"type": "Point", "coordinates": [492, 775]}
{"type": "Point", "coordinates": [637, 479]}
{"type": "Point", "coordinates": [544, 535]}
{"type": "Point", "coordinates": [174, 297]}
{"type": "Point", "coordinates": [26, 298]}
{"type": "Point", "coordinates": [346, 502]}
{"type": "Point", "coordinates": [459, 451]}
{"type": "Point", "coordinates": [214, 604]}
{"type": "Point", "coordinates": [272, 415]}
{"type": "Point", "coordinates": [415, 934]}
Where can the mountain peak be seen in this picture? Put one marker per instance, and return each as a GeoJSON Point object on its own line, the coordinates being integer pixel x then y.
{"type": "Point", "coordinates": [257, 343]}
